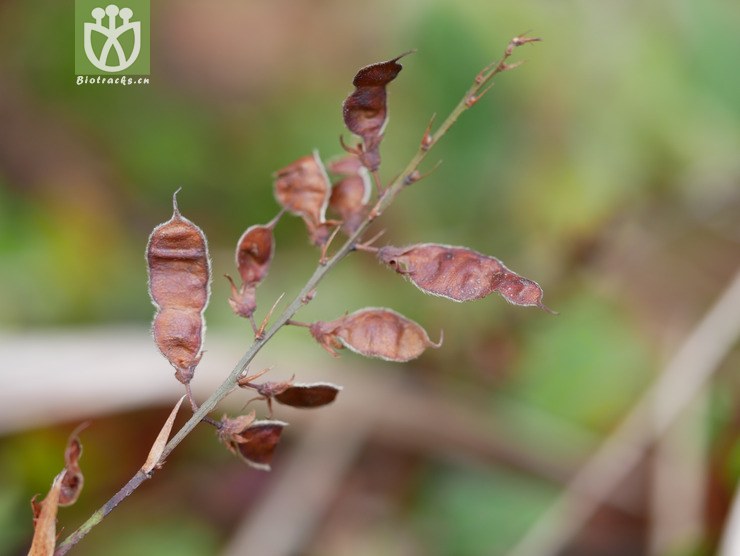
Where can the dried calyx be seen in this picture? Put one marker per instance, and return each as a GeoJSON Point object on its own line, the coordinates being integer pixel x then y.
{"type": "Point", "coordinates": [460, 274]}
{"type": "Point", "coordinates": [179, 285]}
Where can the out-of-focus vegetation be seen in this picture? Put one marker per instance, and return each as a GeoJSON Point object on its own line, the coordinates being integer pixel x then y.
{"type": "Point", "coordinates": [607, 168]}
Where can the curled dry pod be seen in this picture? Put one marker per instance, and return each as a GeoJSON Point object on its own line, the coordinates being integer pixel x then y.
{"type": "Point", "coordinates": [303, 189]}
{"type": "Point", "coordinates": [350, 195]}
{"type": "Point", "coordinates": [179, 285]}
{"type": "Point", "coordinates": [460, 274]}
{"type": "Point", "coordinates": [254, 252]}
{"type": "Point", "coordinates": [374, 332]}
{"type": "Point", "coordinates": [73, 479]}
{"type": "Point", "coordinates": [254, 441]}
{"type": "Point", "coordinates": [365, 111]}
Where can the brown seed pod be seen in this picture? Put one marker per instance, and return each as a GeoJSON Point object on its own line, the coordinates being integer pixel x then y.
{"type": "Point", "coordinates": [303, 189]}
{"type": "Point", "coordinates": [308, 395]}
{"type": "Point", "coordinates": [254, 252]}
{"type": "Point", "coordinates": [351, 194]}
{"type": "Point", "coordinates": [460, 274]}
{"type": "Point", "coordinates": [297, 395]}
{"type": "Point", "coordinates": [365, 111]}
{"type": "Point", "coordinates": [374, 332]}
{"type": "Point", "coordinates": [179, 285]}
{"type": "Point", "coordinates": [73, 479]}
{"type": "Point", "coordinates": [254, 441]}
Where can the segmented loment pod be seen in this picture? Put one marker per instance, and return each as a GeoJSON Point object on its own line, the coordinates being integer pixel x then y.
{"type": "Point", "coordinates": [179, 285]}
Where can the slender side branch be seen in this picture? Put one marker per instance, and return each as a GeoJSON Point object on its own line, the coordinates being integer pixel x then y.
{"type": "Point", "coordinates": [472, 95]}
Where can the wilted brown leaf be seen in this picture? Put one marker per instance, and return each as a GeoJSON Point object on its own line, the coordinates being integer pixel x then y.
{"type": "Point", "coordinates": [45, 534]}
{"type": "Point", "coordinates": [161, 441]}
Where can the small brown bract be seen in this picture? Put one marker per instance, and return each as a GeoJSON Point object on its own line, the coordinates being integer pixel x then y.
{"type": "Point", "coordinates": [179, 285]}
{"type": "Point", "coordinates": [374, 332]}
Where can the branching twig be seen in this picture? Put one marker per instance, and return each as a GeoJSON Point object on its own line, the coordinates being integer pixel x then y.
{"type": "Point", "coordinates": [473, 94]}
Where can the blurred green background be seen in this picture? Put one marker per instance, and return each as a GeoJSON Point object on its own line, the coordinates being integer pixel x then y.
{"type": "Point", "coordinates": [607, 169]}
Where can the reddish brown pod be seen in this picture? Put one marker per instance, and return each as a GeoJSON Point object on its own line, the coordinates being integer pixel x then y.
{"type": "Point", "coordinates": [303, 396]}
{"type": "Point", "coordinates": [303, 189]}
{"type": "Point", "coordinates": [460, 274]}
{"type": "Point", "coordinates": [351, 194]}
{"type": "Point", "coordinates": [365, 111]}
{"type": "Point", "coordinates": [374, 332]}
{"type": "Point", "coordinates": [254, 441]}
{"type": "Point", "coordinates": [179, 285]}
{"type": "Point", "coordinates": [254, 252]}
{"type": "Point", "coordinates": [73, 479]}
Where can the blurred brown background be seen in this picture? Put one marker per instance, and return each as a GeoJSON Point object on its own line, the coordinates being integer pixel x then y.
{"type": "Point", "coordinates": [607, 168]}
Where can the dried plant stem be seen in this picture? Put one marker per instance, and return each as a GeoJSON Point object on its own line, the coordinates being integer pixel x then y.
{"type": "Point", "coordinates": [406, 177]}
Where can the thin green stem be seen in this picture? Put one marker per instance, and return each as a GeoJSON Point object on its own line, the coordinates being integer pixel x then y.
{"type": "Point", "coordinates": [406, 177]}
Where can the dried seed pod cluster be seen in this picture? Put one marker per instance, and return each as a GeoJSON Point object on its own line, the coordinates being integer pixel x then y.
{"type": "Point", "coordinates": [179, 285]}
{"type": "Point", "coordinates": [460, 274]}
{"type": "Point", "coordinates": [374, 332]}
{"type": "Point", "coordinates": [303, 188]}
{"type": "Point", "coordinates": [179, 270]}
{"type": "Point", "coordinates": [365, 111]}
